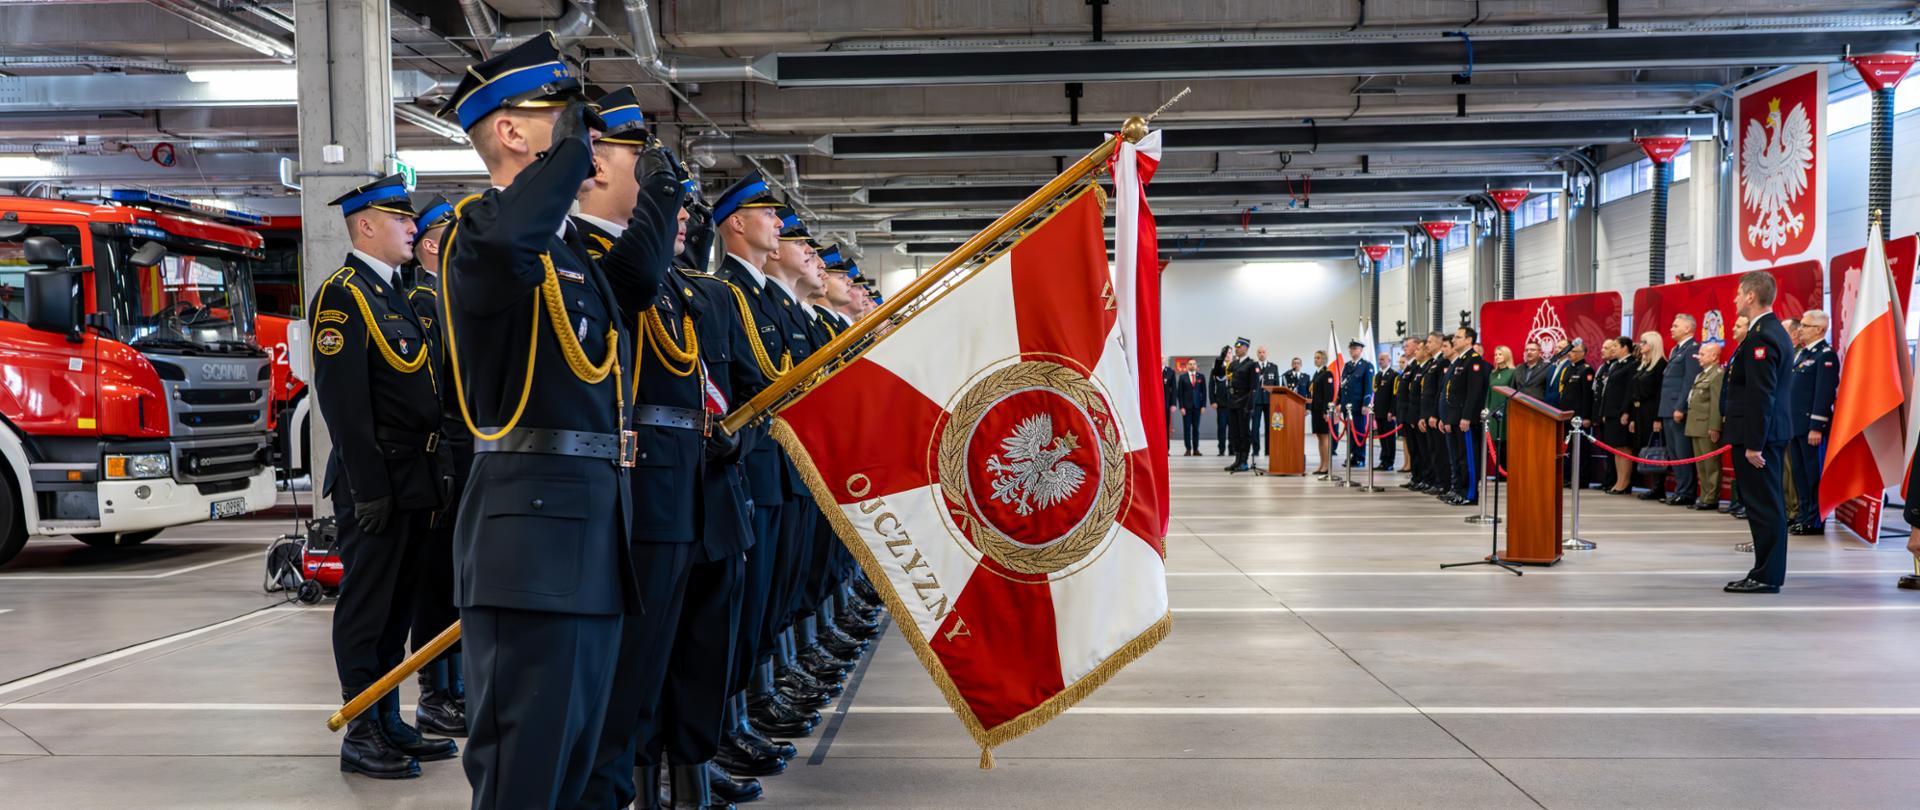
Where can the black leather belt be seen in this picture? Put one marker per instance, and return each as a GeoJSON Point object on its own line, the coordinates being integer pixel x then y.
{"type": "Point", "coordinates": [427, 442]}
{"type": "Point", "coordinates": [667, 417]}
{"type": "Point", "coordinates": [618, 448]}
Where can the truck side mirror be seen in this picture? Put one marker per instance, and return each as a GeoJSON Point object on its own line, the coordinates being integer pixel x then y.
{"type": "Point", "coordinates": [11, 227]}
{"type": "Point", "coordinates": [45, 250]}
{"type": "Point", "coordinates": [53, 295]}
{"type": "Point", "coordinates": [148, 254]}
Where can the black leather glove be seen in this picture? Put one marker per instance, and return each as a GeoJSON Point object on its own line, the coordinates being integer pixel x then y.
{"type": "Point", "coordinates": [699, 236]}
{"type": "Point", "coordinates": [373, 515]}
{"type": "Point", "coordinates": [722, 447]}
{"type": "Point", "coordinates": [659, 161]}
{"type": "Point", "coordinates": [573, 124]}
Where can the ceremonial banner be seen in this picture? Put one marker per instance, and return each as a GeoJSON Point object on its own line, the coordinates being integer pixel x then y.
{"type": "Point", "coordinates": [999, 491]}
{"type": "Point", "coordinates": [1550, 322]}
{"type": "Point", "coordinates": [1710, 301]}
{"type": "Point", "coordinates": [1866, 449]}
{"type": "Point", "coordinates": [1780, 191]}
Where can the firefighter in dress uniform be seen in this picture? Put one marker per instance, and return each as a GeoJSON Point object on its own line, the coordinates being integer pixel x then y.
{"type": "Point", "coordinates": [376, 389]}
{"type": "Point", "coordinates": [1460, 419]}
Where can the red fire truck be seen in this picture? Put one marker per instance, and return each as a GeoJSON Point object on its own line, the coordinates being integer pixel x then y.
{"type": "Point", "coordinates": [132, 391]}
{"type": "Point", "coordinates": [278, 301]}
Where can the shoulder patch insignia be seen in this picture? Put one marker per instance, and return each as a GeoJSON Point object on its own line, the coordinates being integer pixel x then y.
{"type": "Point", "coordinates": [1760, 353]}
{"type": "Point", "coordinates": [577, 278]}
{"type": "Point", "coordinates": [1828, 364]}
{"type": "Point", "coordinates": [330, 341]}
{"type": "Point", "coordinates": [327, 316]}
{"type": "Point", "coordinates": [426, 322]}
{"type": "Point", "coordinates": [688, 291]}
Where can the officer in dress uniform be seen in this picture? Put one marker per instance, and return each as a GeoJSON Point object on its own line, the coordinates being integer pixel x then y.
{"type": "Point", "coordinates": [1268, 374]}
{"type": "Point", "coordinates": [442, 708]}
{"type": "Point", "coordinates": [1243, 376]}
{"type": "Point", "coordinates": [376, 389]}
{"type": "Point", "coordinates": [748, 220]}
{"type": "Point", "coordinates": [1758, 423]}
{"type": "Point", "coordinates": [1407, 408]}
{"type": "Point", "coordinates": [1466, 397]}
{"type": "Point", "coordinates": [1439, 480]}
{"type": "Point", "coordinates": [1386, 398]}
{"type": "Point", "coordinates": [687, 589]}
{"type": "Point", "coordinates": [538, 345]}
{"type": "Point", "coordinates": [1296, 379]}
{"type": "Point", "coordinates": [1356, 396]}
{"type": "Point", "coordinates": [1570, 387]}
{"type": "Point", "coordinates": [1816, 378]}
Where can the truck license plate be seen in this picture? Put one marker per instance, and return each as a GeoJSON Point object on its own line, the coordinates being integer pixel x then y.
{"type": "Point", "coordinates": [232, 507]}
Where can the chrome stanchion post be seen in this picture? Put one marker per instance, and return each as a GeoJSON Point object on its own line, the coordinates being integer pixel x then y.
{"type": "Point", "coordinates": [1574, 541]}
{"type": "Point", "coordinates": [1480, 491]}
{"type": "Point", "coordinates": [1353, 435]}
{"type": "Point", "coordinates": [1370, 487]}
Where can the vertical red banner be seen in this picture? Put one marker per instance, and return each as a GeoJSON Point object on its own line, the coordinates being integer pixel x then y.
{"type": "Point", "coordinates": [1780, 180]}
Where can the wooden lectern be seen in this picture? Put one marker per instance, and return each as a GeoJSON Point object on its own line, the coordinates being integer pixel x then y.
{"type": "Point", "coordinates": [1286, 431]}
{"type": "Point", "coordinates": [1535, 525]}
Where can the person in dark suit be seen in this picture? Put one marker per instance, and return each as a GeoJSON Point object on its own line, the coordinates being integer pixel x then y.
{"type": "Point", "coordinates": [1243, 379]}
{"type": "Point", "coordinates": [544, 566]}
{"type": "Point", "coordinates": [1190, 394]}
{"type": "Point", "coordinates": [442, 708]}
{"type": "Point", "coordinates": [1732, 507]}
{"type": "Point", "coordinates": [1167, 374]}
{"type": "Point", "coordinates": [1386, 409]}
{"type": "Point", "coordinates": [1683, 367]}
{"type": "Point", "coordinates": [1648, 424]}
{"type": "Point", "coordinates": [1759, 421]}
{"type": "Point", "coordinates": [1570, 388]}
{"type": "Point", "coordinates": [373, 386]}
{"type": "Point", "coordinates": [1815, 380]}
{"type": "Point", "coordinates": [1265, 374]}
{"type": "Point", "coordinates": [1320, 407]}
{"type": "Point", "coordinates": [1356, 401]}
{"type": "Point", "coordinates": [1217, 394]}
{"type": "Point", "coordinates": [1407, 407]}
{"type": "Point", "coordinates": [1465, 399]}
{"type": "Point", "coordinates": [1532, 375]}
{"type": "Point", "coordinates": [1296, 379]}
{"type": "Point", "coordinates": [1439, 356]}
{"type": "Point", "coordinates": [1614, 408]}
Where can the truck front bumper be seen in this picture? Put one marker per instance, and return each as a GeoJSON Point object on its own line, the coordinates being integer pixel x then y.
{"type": "Point", "coordinates": [156, 503]}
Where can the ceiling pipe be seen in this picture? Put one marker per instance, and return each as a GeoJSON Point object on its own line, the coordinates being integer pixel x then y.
{"type": "Point", "coordinates": [229, 28]}
{"type": "Point", "coordinates": [480, 26]}
{"type": "Point", "coordinates": [686, 69]}
{"type": "Point", "coordinates": [821, 146]}
{"type": "Point", "coordinates": [572, 25]}
{"type": "Point", "coordinates": [430, 122]}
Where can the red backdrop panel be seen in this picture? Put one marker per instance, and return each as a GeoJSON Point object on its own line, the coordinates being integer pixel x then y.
{"type": "Point", "coordinates": [1710, 301]}
{"type": "Point", "coordinates": [1551, 322]}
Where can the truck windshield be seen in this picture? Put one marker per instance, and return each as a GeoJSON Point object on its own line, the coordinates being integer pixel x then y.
{"type": "Point", "coordinates": [188, 301]}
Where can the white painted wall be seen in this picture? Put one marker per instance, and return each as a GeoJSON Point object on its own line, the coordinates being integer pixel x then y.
{"type": "Point", "coordinates": [1456, 289]}
{"type": "Point", "coordinates": [1623, 239]}
{"type": "Point", "coordinates": [1847, 184]}
{"type": "Point", "coordinates": [1539, 259]}
{"type": "Point", "coordinates": [1284, 306]}
{"type": "Point", "coordinates": [1393, 299]}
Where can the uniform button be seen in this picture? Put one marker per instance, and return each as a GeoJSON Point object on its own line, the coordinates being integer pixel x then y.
{"type": "Point", "coordinates": [538, 503]}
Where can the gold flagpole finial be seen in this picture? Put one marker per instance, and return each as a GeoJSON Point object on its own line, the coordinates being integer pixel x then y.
{"type": "Point", "coordinates": [1874, 217]}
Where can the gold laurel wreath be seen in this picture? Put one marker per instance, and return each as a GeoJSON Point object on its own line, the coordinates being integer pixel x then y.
{"type": "Point", "coordinates": [953, 473]}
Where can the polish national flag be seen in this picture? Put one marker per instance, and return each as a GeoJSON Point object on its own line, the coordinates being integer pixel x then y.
{"type": "Point", "coordinates": [1866, 448]}
{"type": "Point", "coordinates": [1336, 357]}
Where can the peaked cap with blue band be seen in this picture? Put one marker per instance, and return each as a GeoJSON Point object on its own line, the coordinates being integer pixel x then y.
{"type": "Point", "coordinates": [792, 229]}
{"type": "Point", "coordinates": [625, 123]}
{"type": "Point", "coordinates": [831, 255]}
{"type": "Point", "coordinates": [385, 194]}
{"type": "Point", "coordinates": [435, 213]}
{"type": "Point", "coordinates": [532, 74]}
{"type": "Point", "coordinates": [747, 192]}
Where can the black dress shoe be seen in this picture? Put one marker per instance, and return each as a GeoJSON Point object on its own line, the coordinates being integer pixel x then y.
{"type": "Point", "coordinates": [752, 740]}
{"type": "Point", "coordinates": [1651, 495]}
{"type": "Point", "coordinates": [825, 666]}
{"type": "Point", "coordinates": [775, 717]}
{"type": "Point", "coordinates": [1705, 506]}
{"type": "Point", "coordinates": [832, 639]}
{"type": "Point", "coordinates": [1738, 513]}
{"type": "Point", "coordinates": [736, 758]}
{"type": "Point", "coordinates": [409, 741]}
{"type": "Point", "coordinates": [438, 712]}
{"type": "Point", "coordinates": [800, 680]}
{"type": "Point", "coordinates": [1682, 501]}
{"type": "Point", "coordinates": [1751, 586]}
{"type": "Point", "coordinates": [367, 751]}
{"type": "Point", "coordinates": [726, 787]}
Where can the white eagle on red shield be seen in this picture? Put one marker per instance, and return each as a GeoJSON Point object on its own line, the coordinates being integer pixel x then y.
{"type": "Point", "coordinates": [1776, 158]}
{"type": "Point", "coordinates": [1036, 468]}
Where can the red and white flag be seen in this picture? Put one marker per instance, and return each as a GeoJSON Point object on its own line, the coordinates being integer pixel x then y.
{"type": "Point", "coordinates": [1336, 356]}
{"type": "Point", "coordinates": [1000, 490]}
{"type": "Point", "coordinates": [1866, 450]}
{"type": "Point", "coordinates": [1136, 288]}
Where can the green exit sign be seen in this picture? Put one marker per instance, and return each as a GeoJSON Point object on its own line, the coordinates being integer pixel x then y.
{"type": "Point", "coordinates": [406, 173]}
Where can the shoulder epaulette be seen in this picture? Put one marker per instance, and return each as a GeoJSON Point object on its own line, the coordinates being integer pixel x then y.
{"type": "Point", "coordinates": [342, 275]}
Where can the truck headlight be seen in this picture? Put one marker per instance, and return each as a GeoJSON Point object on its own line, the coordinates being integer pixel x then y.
{"type": "Point", "coordinates": [139, 465]}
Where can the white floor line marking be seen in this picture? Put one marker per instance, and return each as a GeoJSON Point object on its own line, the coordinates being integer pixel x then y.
{"type": "Point", "coordinates": [157, 575]}
{"type": "Point", "coordinates": [1559, 572]}
{"type": "Point", "coordinates": [85, 664]}
{"type": "Point", "coordinates": [1817, 711]}
{"type": "Point", "coordinates": [1546, 609]}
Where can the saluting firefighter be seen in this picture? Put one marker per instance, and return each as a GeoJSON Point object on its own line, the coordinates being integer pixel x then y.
{"type": "Point", "coordinates": [443, 696]}
{"type": "Point", "coordinates": [545, 573]}
{"type": "Point", "coordinates": [375, 385]}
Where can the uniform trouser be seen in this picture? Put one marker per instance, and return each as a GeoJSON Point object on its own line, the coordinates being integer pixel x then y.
{"type": "Point", "coordinates": [1356, 436]}
{"type": "Point", "coordinates": [1679, 446]}
{"type": "Point", "coordinates": [1387, 447]}
{"type": "Point", "coordinates": [797, 517]}
{"type": "Point", "coordinates": [1807, 463]}
{"type": "Point", "coordinates": [537, 691]}
{"type": "Point", "coordinates": [375, 611]}
{"type": "Point", "coordinates": [1237, 423]}
{"type": "Point", "coordinates": [1763, 494]}
{"type": "Point", "coordinates": [1466, 462]}
{"type": "Point", "coordinates": [821, 572]}
{"type": "Point", "coordinates": [646, 643]}
{"type": "Point", "coordinates": [694, 701]}
{"type": "Point", "coordinates": [1416, 453]}
{"type": "Point", "coordinates": [1706, 470]}
{"type": "Point", "coordinates": [757, 595]}
{"type": "Point", "coordinates": [1220, 428]}
{"type": "Point", "coordinates": [1257, 429]}
{"type": "Point", "coordinates": [1190, 428]}
{"type": "Point", "coordinates": [1440, 448]}
{"type": "Point", "coordinates": [433, 589]}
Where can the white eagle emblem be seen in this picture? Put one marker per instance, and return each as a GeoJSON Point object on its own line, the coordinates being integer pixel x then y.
{"type": "Point", "coordinates": [1036, 473]}
{"type": "Point", "coordinates": [1775, 172]}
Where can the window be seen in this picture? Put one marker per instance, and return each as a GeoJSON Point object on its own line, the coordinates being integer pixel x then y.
{"type": "Point", "coordinates": [1457, 238]}
{"type": "Point", "coordinates": [1857, 110]}
{"type": "Point", "coordinates": [1625, 181]}
{"type": "Point", "coordinates": [1534, 211]}
{"type": "Point", "coordinates": [14, 267]}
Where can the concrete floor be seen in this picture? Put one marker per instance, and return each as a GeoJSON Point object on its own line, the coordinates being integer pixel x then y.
{"type": "Point", "coordinates": [1319, 659]}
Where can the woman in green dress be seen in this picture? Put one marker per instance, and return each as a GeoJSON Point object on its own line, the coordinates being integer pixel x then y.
{"type": "Point", "coordinates": [1497, 403]}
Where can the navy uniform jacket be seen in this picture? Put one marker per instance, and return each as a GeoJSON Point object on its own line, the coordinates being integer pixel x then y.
{"type": "Point", "coordinates": [1188, 393]}
{"type": "Point", "coordinates": [1406, 401]}
{"type": "Point", "coordinates": [1166, 383]}
{"type": "Point", "coordinates": [731, 370]}
{"type": "Point", "coordinates": [1296, 380]}
{"type": "Point", "coordinates": [1217, 389]}
{"type": "Point", "coordinates": [375, 385]}
{"type": "Point", "coordinates": [1386, 394]}
{"type": "Point", "coordinates": [1268, 374]}
{"type": "Point", "coordinates": [1356, 383]}
{"type": "Point", "coordinates": [1320, 393]}
{"type": "Point", "coordinates": [774, 344]}
{"type": "Point", "coordinates": [1756, 412]}
{"type": "Point", "coordinates": [665, 470]}
{"type": "Point", "coordinates": [424, 297]}
{"type": "Point", "coordinates": [1573, 389]}
{"type": "Point", "coordinates": [1816, 376]}
{"type": "Point", "coordinates": [1466, 389]}
{"type": "Point", "coordinates": [1683, 367]}
{"type": "Point", "coordinates": [1433, 388]}
{"type": "Point", "coordinates": [540, 531]}
{"type": "Point", "coordinates": [1243, 380]}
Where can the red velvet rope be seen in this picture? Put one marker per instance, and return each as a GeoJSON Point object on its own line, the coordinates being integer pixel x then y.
{"type": "Point", "coordinates": [1656, 462]}
{"type": "Point", "coordinates": [1493, 454]}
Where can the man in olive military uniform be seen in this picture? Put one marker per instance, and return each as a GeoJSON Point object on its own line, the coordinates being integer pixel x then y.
{"type": "Point", "coordinates": [1815, 380]}
{"type": "Point", "coordinates": [375, 386]}
{"type": "Point", "coordinates": [539, 348]}
{"type": "Point", "coordinates": [442, 708]}
{"type": "Point", "coordinates": [1460, 417]}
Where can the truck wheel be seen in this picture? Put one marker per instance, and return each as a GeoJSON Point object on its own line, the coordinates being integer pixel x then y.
{"type": "Point", "coordinates": [13, 530]}
{"type": "Point", "coordinates": [112, 540]}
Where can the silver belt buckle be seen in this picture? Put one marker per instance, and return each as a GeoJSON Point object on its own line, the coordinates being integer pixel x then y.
{"type": "Point", "coordinates": [629, 447]}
